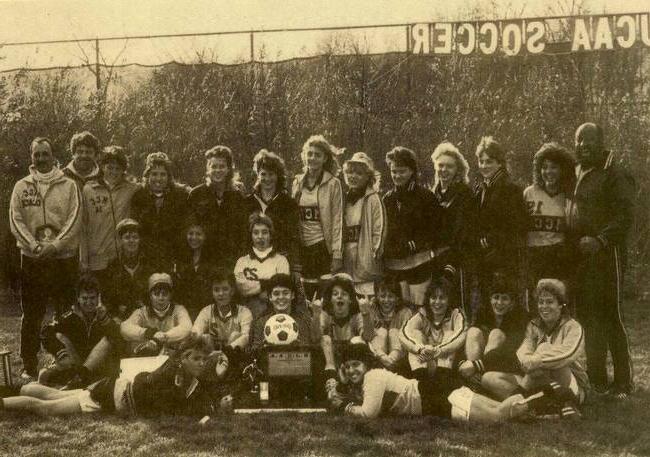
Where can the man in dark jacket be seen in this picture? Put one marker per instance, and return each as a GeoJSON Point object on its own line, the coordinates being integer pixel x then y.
{"type": "Point", "coordinates": [600, 215]}
{"type": "Point", "coordinates": [81, 340]}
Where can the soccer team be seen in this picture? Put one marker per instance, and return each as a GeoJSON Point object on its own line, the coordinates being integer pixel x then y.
{"type": "Point", "coordinates": [451, 301]}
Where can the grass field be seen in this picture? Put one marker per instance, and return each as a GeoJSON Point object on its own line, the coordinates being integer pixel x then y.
{"type": "Point", "coordinates": [608, 429]}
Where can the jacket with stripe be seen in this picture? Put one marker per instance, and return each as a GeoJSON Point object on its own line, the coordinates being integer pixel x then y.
{"type": "Point", "coordinates": [603, 204]}
{"type": "Point", "coordinates": [561, 346]}
{"type": "Point", "coordinates": [32, 215]}
{"type": "Point", "coordinates": [448, 335]}
{"type": "Point", "coordinates": [372, 234]}
{"type": "Point", "coordinates": [330, 207]}
{"type": "Point", "coordinates": [412, 225]}
{"type": "Point", "coordinates": [104, 207]}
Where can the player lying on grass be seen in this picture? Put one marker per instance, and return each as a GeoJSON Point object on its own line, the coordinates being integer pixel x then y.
{"type": "Point", "coordinates": [550, 351]}
{"type": "Point", "coordinates": [369, 392]}
{"type": "Point", "coordinates": [191, 383]}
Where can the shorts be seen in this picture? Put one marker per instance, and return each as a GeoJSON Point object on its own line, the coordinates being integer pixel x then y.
{"type": "Point", "coordinates": [412, 276]}
{"type": "Point", "coordinates": [101, 392]}
{"type": "Point", "coordinates": [460, 401]}
{"type": "Point", "coordinates": [86, 402]}
{"type": "Point", "coordinates": [316, 261]}
{"type": "Point", "coordinates": [434, 393]}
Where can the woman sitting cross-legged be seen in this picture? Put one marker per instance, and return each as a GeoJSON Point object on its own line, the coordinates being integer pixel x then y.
{"type": "Point", "coordinates": [549, 353]}
{"type": "Point", "coordinates": [434, 335]}
{"type": "Point", "coordinates": [365, 391]}
{"type": "Point", "coordinates": [191, 383]}
{"type": "Point", "coordinates": [161, 324]}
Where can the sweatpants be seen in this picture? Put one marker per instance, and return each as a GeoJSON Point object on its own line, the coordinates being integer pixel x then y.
{"type": "Point", "coordinates": [598, 304]}
{"type": "Point", "coordinates": [43, 281]}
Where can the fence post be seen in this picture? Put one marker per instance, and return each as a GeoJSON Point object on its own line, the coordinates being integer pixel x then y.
{"type": "Point", "coordinates": [98, 81]}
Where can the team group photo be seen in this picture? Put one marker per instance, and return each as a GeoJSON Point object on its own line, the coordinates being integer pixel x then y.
{"type": "Point", "coordinates": [440, 249]}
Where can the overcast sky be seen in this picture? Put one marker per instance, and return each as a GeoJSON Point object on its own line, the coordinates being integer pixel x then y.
{"type": "Point", "coordinates": [66, 19]}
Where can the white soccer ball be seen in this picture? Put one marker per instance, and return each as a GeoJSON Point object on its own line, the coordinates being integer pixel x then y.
{"type": "Point", "coordinates": [280, 329]}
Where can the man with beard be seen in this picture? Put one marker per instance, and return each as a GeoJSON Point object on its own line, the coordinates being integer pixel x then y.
{"type": "Point", "coordinates": [84, 148]}
{"type": "Point", "coordinates": [45, 216]}
{"type": "Point", "coordinates": [600, 215]}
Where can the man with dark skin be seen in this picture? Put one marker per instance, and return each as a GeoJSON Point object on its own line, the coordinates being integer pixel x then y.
{"type": "Point", "coordinates": [601, 214]}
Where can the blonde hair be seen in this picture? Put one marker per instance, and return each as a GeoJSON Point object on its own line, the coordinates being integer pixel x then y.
{"type": "Point", "coordinates": [448, 149]}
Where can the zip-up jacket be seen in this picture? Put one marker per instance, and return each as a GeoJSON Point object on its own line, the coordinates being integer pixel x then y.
{"type": "Point", "coordinates": [225, 223]}
{"type": "Point", "coordinates": [603, 204]}
{"type": "Point", "coordinates": [330, 207]}
{"type": "Point", "coordinates": [161, 228]}
{"type": "Point", "coordinates": [123, 289]}
{"type": "Point", "coordinates": [456, 221]}
{"type": "Point", "coordinates": [81, 181]}
{"type": "Point", "coordinates": [411, 224]}
{"type": "Point", "coordinates": [83, 335]}
{"type": "Point", "coordinates": [284, 213]}
{"type": "Point", "coordinates": [162, 392]}
{"type": "Point", "coordinates": [54, 216]}
{"type": "Point", "coordinates": [103, 209]}
{"type": "Point", "coordinates": [502, 220]}
{"type": "Point", "coordinates": [561, 346]}
{"type": "Point", "coordinates": [372, 234]}
{"type": "Point", "coordinates": [448, 336]}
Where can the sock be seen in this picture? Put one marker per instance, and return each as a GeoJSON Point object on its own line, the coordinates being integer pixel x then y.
{"type": "Point", "coordinates": [478, 364]}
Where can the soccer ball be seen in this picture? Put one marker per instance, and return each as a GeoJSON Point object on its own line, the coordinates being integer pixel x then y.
{"type": "Point", "coordinates": [280, 329]}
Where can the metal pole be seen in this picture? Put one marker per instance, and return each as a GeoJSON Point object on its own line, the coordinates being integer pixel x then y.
{"type": "Point", "coordinates": [98, 81]}
{"type": "Point", "coordinates": [252, 47]}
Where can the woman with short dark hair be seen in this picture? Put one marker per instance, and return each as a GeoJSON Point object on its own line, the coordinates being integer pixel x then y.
{"type": "Point", "coordinates": [219, 204]}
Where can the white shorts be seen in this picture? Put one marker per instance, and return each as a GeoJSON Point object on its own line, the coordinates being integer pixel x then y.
{"type": "Point", "coordinates": [87, 404]}
{"type": "Point", "coordinates": [461, 402]}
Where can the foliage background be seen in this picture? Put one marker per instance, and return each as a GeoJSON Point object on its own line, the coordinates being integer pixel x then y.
{"type": "Point", "coordinates": [359, 102]}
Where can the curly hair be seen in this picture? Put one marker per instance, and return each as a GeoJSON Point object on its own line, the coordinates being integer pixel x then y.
{"type": "Point", "coordinates": [156, 159]}
{"type": "Point", "coordinates": [225, 153]}
{"type": "Point", "coordinates": [448, 149]}
{"type": "Point", "coordinates": [319, 142]}
{"type": "Point", "coordinates": [391, 284]}
{"type": "Point", "coordinates": [272, 162]}
{"type": "Point", "coordinates": [558, 155]}
{"type": "Point", "coordinates": [344, 281]}
{"type": "Point", "coordinates": [84, 139]}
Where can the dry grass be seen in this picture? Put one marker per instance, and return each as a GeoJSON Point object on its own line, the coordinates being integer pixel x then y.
{"type": "Point", "coordinates": [608, 429]}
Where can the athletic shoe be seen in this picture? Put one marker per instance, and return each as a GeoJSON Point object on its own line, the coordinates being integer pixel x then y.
{"type": "Point", "coordinates": [619, 394]}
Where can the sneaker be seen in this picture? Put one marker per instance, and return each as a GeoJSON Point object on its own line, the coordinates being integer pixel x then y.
{"type": "Point", "coordinates": [619, 394]}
